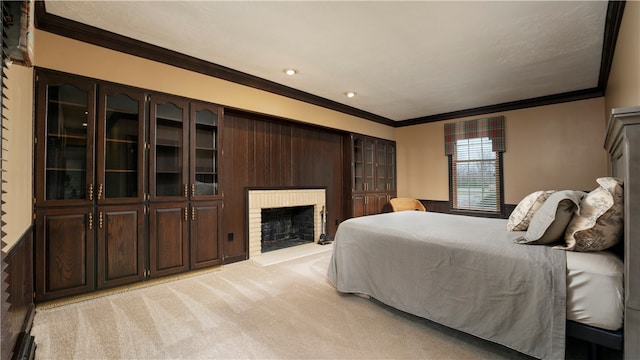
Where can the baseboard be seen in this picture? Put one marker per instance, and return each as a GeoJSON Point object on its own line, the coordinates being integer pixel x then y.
{"type": "Point", "coordinates": [235, 258]}
{"type": "Point", "coordinates": [26, 349]}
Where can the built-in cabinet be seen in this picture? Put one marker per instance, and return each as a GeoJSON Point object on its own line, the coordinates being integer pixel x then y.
{"type": "Point", "coordinates": [126, 185]}
{"type": "Point", "coordinates": [372, 174]}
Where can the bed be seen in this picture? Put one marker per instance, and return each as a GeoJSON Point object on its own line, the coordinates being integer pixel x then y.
{"type": "Point", "coordinates": [469, 273]}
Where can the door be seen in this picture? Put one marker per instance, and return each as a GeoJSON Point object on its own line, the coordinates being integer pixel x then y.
{"type": "Point", "coordinates": [371, 204]}
{"type": "Point", "coordinates": [64, 252]}
{"type": "Point", "coordinates": [369, 164]}
{"type": "Point", "coordinates": [120, 146]}
{"type": "Point", "coordinates": [381, 165]}
{"type": "Point", "coordinates": [382, 203]}
{"type": "Point", "coordinates": [205, 234]}
{"type": "Point", "coordinates": [168, 136]}
{"type": "Point", "coordinates": [121, 250]}
{"type": "Point", "coordinates": [204, 159]}
{"type": "Point", "coordinates": [365, 204]}
{"type": "Point", "coordinates": [168, 235]}
{"type": "Point", "coordinates": [359, 205]}
{"type": "Point", "coordinates": [64, 143]}
{"type": "Point", "coordinates": [358, 165]}
{"type": "Point", "coordinates": [391, 167]}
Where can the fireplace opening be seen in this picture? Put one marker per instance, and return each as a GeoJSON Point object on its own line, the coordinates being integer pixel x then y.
{"type": "Point", "coordinates": [286, 226]}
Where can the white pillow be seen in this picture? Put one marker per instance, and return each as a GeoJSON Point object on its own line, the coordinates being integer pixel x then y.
{"type": "Point", "coordinates": [600, 222]}
{"type": "Point", "coordinates": [521, 216]}
{"type": "Point", "coordinates": [550, 221]}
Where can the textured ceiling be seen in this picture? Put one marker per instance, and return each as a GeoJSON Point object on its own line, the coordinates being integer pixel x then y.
{"type": "Point", "coordinates": [404, 60]}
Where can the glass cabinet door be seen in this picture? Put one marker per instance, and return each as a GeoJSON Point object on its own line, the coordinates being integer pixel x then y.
{"type": "Point", "coordinates": [358, 163]}
{"type": "Point", "coordinates": [65, 132]}
{"type": "Point", "coordinates": [205, 126]}
{"type": "Point", "coordinates": [168, 136]}
{"type": "Point", "coordinates": [381, 166]}
{"type": "Point", "coordinates": [120, 149]}
{"type": "Point", "coordinates": [369, 164]}
{"type": "Point", "coordinates": [391, 167]}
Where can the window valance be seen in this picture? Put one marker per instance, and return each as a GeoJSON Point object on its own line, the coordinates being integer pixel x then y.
{"type": "Point", "coordinates": [492, 127]}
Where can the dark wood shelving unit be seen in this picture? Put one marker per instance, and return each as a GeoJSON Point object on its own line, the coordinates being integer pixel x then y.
{"type": "Point", "coordinates": [118, 195]}
{"type": "Point", "coordinates": [371, 175]}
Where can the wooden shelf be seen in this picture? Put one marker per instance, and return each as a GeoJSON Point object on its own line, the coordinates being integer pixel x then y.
{"type": "Point", "coordinates": [68, 103]}
{"type": "Point", "coordinates": [66, 169]}
{"type": "Point", "coordinates": [121, 141]}
{"type": "Point", "coordinates": [66, 136]}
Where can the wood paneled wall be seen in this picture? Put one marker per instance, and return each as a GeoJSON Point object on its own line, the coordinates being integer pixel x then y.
{"type": "Point", "coordinates": [16, 322]}
{"type": "Point", "coordinates": [261, 151]}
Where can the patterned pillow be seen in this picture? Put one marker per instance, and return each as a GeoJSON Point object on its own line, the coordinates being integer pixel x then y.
{"type": "Point", "coordinates": [521, 216]}
{"type": "Point", "coordinates": [599, 223]}
{"type": "Point", "coordinates": [550, 221]}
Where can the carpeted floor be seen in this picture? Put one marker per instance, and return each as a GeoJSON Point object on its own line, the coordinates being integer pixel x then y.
{"type": "Point", "coordinates": [244, 310]}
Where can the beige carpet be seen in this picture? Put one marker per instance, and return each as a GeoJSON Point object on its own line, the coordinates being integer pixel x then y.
{"type": "Point", "coordinates": [287, 310]}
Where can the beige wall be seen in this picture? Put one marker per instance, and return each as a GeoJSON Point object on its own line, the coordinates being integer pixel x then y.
{"type": "Point", "coordinates": [623, 88]}
{"type": "Point", "coordinates": [548, 147]}
{"type": "Point", "coordinates": [18, 154]}
{"type": "Point", "coordinates": [63, 54]}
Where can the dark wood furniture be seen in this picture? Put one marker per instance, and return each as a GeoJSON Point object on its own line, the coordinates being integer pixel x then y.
{"type": "Point", "coordinates": [126, 185]}
{"type": "Point", "coordinates": [372, 174]}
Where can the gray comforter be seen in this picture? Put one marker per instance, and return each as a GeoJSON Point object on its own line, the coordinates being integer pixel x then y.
{"type": "Point", "coordinates": [462, 272]}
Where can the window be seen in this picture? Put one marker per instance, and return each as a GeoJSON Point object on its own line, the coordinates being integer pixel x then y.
{"type": "Point", "coordinates": [475, 164]}
{"type": "Point", "coordinates": [475, 180]}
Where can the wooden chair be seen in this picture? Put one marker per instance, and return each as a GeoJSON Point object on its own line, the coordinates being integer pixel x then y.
{"type": "Point", "coordinates": [401, 204]}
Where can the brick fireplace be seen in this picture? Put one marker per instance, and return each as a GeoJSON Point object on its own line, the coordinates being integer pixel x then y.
{"type": "Point", "coordinates": [280, 198]}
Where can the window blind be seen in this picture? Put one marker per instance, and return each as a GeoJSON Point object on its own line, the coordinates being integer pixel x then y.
{"type": "Point", "coordinates": [475, 175]}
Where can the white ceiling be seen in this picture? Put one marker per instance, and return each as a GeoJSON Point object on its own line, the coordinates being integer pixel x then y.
{"type": "Point", "coordinates": [404, 60]}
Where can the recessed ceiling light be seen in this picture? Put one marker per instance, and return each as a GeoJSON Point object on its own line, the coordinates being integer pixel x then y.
{"type": "Point", "coordinates": [290, 72]}
{"type": "Point", "coordinates": [350, 94]}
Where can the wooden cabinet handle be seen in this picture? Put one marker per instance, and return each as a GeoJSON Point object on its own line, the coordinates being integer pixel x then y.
{"type": "Point", "coordinates": [193, 190]}
{"type": "Point", "coordinates": [90, 221]}
{"type": "Point", "coordinates": [90, 192]}
{"type": "Point", "coordinates": [193, 214]}
{"type": "Point", "coordinates": [186, 214]}
{"type": "Point", "coordinates": [100, 219]}
{"type": "Point", "coordinates": [99, 191]}
{"type": "Point", "coordinates": [186, 192]}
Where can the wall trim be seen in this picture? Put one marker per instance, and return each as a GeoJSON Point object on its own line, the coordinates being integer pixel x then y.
{"type": "Point", "coordinates": [508, 106]}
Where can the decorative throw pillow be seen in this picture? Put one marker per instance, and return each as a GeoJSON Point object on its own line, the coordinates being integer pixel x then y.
{"type": "Point", "coordinates": [521, 216]}
{"type": "Point", "coordinates": [600, 222]}
{"type": "Point", "coordinates": [550, 221]}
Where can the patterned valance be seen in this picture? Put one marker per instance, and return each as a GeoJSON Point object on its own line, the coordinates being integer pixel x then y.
{"type": "Point", "coordinates": [493, 128]}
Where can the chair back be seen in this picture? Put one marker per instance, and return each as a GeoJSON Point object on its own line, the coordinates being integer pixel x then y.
{"type": "Point", "coordinates": [402, 204]}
